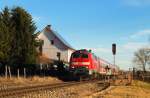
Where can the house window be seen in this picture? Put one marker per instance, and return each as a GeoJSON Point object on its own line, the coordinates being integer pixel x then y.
{"type": "Point", "coordinates": [58, 55]}
{"type": "Point", "coordinates": [52, 42]}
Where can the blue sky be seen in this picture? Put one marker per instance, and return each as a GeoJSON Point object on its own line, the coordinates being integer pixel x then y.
{"type": "Point", "coordinates": [94, 24]}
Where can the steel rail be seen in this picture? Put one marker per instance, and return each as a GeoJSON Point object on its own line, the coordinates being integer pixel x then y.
{"type": "Point", "coordinates": [25, 90]}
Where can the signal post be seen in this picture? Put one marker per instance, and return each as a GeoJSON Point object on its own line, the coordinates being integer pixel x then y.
{"type": "Point", "coordinates": [114, 53]}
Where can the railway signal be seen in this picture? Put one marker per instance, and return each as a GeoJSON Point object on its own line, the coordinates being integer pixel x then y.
{"type": "Point", "coordinates": [114, 49]}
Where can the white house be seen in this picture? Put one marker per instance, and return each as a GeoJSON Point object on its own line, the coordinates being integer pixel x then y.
{"type": "Point", "coordinates": [54, 46]}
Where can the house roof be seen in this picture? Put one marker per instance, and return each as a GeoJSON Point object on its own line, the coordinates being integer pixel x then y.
{"type": "Point", "coordinates": [62, 40]}
{"type": "Point", "coordinates": [48, 28]}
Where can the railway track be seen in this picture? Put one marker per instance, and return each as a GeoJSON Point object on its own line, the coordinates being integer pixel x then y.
{"type": "Point", "coordinates": [10, 93]}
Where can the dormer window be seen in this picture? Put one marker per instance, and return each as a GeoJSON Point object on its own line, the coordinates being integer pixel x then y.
{"type": "Point", "coordinates": [52, 42]}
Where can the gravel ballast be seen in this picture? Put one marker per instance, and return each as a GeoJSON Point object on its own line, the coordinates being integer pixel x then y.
{"type": "Point", "coordinates": [76, 91]}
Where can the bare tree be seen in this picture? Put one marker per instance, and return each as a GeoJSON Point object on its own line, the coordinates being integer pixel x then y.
{"type": "Point", "coordinates": [142, 58]}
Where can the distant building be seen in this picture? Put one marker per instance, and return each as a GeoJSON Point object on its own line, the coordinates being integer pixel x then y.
{"type": "Point", "coordinates": [54, 46]}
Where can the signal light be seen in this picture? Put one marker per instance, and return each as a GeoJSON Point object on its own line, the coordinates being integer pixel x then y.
{"type": "Point", "coordinates": [90, 50]}
{"type": "Point", "coordinates": [114, 48]}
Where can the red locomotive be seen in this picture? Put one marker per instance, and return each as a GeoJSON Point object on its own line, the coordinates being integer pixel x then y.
{"type": "Point", "coordinates": [84, 62]}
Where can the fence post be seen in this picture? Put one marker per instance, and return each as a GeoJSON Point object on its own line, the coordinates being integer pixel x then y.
{"type": "Point", "coordinates": [6, 71]}
{"type": "Point", "coordinates": [24, 72]}
{"type": "Point", "coordinates": [9, 72]}
{"type": "Point", "coordinates": [41, 68]}
{"type": "Point", "coordinates": [18, 73]}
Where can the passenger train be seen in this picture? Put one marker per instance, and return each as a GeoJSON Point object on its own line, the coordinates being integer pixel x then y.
{"type": "Point", "coordinates": [86, 63]}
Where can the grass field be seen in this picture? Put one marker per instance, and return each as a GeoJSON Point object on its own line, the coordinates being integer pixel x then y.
{"type": "Point", "coordinates": [15, 82]}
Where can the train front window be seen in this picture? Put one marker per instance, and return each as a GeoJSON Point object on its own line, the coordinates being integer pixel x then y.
{"type": "Point", "coordinates": [84, 56]}
{"type": "Point", "coordinates": [76, 55]}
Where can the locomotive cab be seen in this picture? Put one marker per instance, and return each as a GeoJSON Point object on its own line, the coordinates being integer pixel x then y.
{"type": "Point", "coordinates": [80, 62]}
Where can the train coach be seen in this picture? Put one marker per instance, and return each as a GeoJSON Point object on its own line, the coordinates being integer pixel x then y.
{"type": "Point", "coordinates": [85, 63]}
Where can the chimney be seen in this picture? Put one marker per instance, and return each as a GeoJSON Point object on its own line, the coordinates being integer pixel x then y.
{"type": "Point", "coordinates": [48, 27]}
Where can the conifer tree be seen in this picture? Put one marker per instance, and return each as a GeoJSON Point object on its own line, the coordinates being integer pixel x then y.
{"type": "Point", "coordinates": [23, 49]}
{"type": "Point", "coordinates": [5, 36]}
{"type": "Point", "coordinates": [17, 37]}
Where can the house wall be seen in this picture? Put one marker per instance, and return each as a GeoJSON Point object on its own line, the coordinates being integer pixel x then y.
{"type": "Point", "coordinates": [69, 53]}
{"type": "Point", "coordinates": [50, 50]}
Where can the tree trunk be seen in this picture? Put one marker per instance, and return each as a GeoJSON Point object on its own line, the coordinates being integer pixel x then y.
{"type": "Point", "coordinates": [6, 73]}
{"type": "Point", "coordinates": [144, 69]}
{"type": "Point", "coordinates": [9, 72]}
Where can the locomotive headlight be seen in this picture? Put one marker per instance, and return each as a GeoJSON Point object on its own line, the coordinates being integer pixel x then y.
{"type": "Point", "coordinates": [72, 67]}
{"type": "Point", "coordinates": [87, 67]}
{"type": "Point", "coordinates": [85, 63]}
{"type": "Point", "coordinates": [75, 63]}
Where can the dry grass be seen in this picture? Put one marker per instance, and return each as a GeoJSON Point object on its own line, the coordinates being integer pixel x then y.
{"type": "Point", "coordinates": [21, 82]}
{"type": "Point", "coordinates": [34, 79]}
{"type": "Point", "coordinates": [138, 89]}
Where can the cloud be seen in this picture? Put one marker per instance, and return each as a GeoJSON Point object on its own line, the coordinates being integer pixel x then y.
{"type": "Point", "coordinates": [134, 46]}
{"type": "Point", "coordinates": [142, 33]}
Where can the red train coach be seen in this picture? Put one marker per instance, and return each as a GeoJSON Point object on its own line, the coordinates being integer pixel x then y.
{"type": "Point", "coordinates": [85, 62]}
